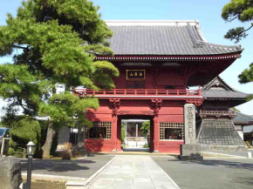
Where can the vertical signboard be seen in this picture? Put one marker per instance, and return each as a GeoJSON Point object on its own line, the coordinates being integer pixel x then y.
{"type": "Point", "coordinates": [190, 123]}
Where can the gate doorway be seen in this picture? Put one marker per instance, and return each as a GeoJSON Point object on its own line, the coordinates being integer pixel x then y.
{"type": "Point", "coordinates": [136, 133]}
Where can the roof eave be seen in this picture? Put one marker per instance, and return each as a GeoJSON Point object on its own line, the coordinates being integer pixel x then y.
{"type": "Point", "coordinates": [243, 123]}
{"type": "Point", "coordinates": [123, 57]}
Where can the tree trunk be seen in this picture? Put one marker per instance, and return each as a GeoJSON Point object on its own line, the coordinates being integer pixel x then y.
{"type": "Point", "coordinates": [49, 140]}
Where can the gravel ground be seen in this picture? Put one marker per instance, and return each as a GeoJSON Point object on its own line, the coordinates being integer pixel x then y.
{"type": "Point", "coordinates": [209, 174]}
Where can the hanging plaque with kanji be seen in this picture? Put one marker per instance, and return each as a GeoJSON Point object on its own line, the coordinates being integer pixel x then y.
{"type": "Point", "coordinates": [135, 74]}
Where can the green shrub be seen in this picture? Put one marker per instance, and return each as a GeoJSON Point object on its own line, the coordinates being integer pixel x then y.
{"type": "Point", "coordinates": [22, 131]}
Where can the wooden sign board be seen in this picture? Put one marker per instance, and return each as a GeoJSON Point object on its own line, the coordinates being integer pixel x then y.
{"type": "Point", "coordinates": [134, 74]}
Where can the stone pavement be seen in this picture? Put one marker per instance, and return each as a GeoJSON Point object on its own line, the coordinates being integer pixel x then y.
{"type": "Point", "coordinates": [210, 173]}
{"type": "Point", "coordinates": [132, 172]}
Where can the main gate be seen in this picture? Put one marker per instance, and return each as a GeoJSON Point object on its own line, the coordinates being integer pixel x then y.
{"type": "Point", "coordinates": [135, 133]}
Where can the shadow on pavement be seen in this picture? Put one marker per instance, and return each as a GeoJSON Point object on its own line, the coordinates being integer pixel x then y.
{"type": "Point", "coordinates": [58, 165]}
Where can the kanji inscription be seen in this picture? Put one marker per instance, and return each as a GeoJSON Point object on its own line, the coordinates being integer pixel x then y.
{"type": "Point", "coordinates": [134, 74]}
{"type": "Point", "coordinates": [190, 124]}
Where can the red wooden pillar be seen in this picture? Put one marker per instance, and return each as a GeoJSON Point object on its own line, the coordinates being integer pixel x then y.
{"type": "Point", "coordinates": [156, 135]}
{"type": "Point", "coordinates": [114, 131]}
{"type": "Point", "coordinates": [115, 106]}
{"type": "Point", "coordinates": [156, 105]}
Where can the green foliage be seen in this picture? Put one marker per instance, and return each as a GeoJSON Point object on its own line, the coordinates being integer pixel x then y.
{"type": "Point", "coordinates": [53, 41]}
{"type": "Point", "coordinates": [145, 128]}
{"type": "Point", "coordinates": [15, 150]}
{"type": "Point", "coordinates": [236, 34]}
{"type": "Point", "coordinates": [55, 49]}
{"type": "Point", "coordinates": [13, 79]}
{"type": "Point", "coordinates": [67, 109]}
{"type": "Point", "coordinates": [103, 74]}
{"type": "Point", "coordinates": [17, 85]}
{"type": "Point", "coordinates": [123, 132]}
{"type": "Point", "coordinates": [80, 14]}
{"type": "Point", "coordinates": [27, 129]}
{"type": "Point", "coordinates": [247, 74]}
{"type": "Point", "coordinates": [22, 130]}
{"type": "Point", "coordinates": [241, 10]}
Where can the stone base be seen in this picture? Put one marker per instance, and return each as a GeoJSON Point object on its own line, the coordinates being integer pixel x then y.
{"type": "Point", "coordinates": [197, 157]}
{"type": "Point", "coordinates": [190, 152]}
{"type": "Point", "coordinates": [189, 149]}
{"type": "Point", "coordinates": [10, 173]}
{"type": "Point", "coordinates": [194, 151]}
{"type": "Point", "coordinates": [222, 148]}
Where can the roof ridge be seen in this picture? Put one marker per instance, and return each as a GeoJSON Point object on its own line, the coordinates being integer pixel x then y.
{"type": "Point", "coordinates": [197, 43]}
{"type": "Point", "coordinates": [215, 45]}
{"type": "Point", "coordinates": [218, 81]}
{"type": "Point", "coordinates": [151, 22]}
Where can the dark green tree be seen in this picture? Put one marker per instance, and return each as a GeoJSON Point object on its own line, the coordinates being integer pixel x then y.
{"type": "Point", "coordinates": [241, 10]}
{"type": "Point", "coordinates": [145, 128]}
{"type": "Point", "coordinates": [53, 41]}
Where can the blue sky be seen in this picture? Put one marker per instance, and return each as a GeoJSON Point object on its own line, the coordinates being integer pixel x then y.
{"type": "Point", "coordinates": [206, 12]}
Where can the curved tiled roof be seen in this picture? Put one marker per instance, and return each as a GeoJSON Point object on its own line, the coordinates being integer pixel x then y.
{"type": "Point", "coordinates": [243, 119]}
{"type": "Point", "coordinates": [220, 93]}
{"type": "Point", "coordinates": [162, 38]}
{"type": "Point", "coordinates": [218, 89]}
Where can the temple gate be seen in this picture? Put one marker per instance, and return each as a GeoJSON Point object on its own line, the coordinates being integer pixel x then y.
{"type": "Point", "coordinates": [159, 62]}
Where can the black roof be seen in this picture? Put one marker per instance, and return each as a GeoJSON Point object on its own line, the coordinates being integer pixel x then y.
{"type": "Point", "coordinates": [243, 119]}
{"type": "Point", "coordinates": [162, 38]}
{"type": "Point", "coordinates": [217, 89]}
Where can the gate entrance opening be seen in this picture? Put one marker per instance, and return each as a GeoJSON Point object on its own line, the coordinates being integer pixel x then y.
{"type": "Point", "coordinates": [136, 134]}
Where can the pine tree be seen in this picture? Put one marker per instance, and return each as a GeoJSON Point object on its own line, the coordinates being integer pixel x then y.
{"type": "Point", "coordinates": [54, 41]}
{"type": "Point", "coordinates": [241, 10]}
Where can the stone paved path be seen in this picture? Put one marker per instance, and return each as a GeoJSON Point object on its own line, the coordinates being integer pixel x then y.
{"type": "Point", "coordinates": [132, 172]}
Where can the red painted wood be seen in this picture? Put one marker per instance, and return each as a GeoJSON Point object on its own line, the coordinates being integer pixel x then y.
{"type": "Point", "coordinates": [170, 111]}
{"type": "Point", "coordinates": [172, 147]}
{"type": "Point", "coordinates": [99, 145]}
{"type": "Point", "coordinates": [139, 92]}
{"type": "Point", "coordinates": [156, 135]}
{"type": "Point", "coordinates": [153, 100]}
{"type": "Point", "coordinates": [114, 132]}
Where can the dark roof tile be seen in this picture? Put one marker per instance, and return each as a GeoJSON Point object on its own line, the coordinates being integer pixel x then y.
{"type": "Point", "coordinates": [162, 38]}
{"type": "Point", "coordinates": [241, 118]}
{"type": "Point", "coordinates": [218, 89]}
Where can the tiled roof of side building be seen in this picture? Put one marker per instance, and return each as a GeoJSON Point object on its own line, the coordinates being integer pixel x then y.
{"type": "Point", "coordinates": [243, 119]}
{"type": "Point", "coordinates": [163, 37]}
{"type": "Point", "coordinates": [218, 89]}
{"type": "Point", "coordinates": [220, 93]}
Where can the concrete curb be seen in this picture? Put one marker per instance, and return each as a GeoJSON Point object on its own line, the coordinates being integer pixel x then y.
{"type": "Point", "coordinates": [77, 184]}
